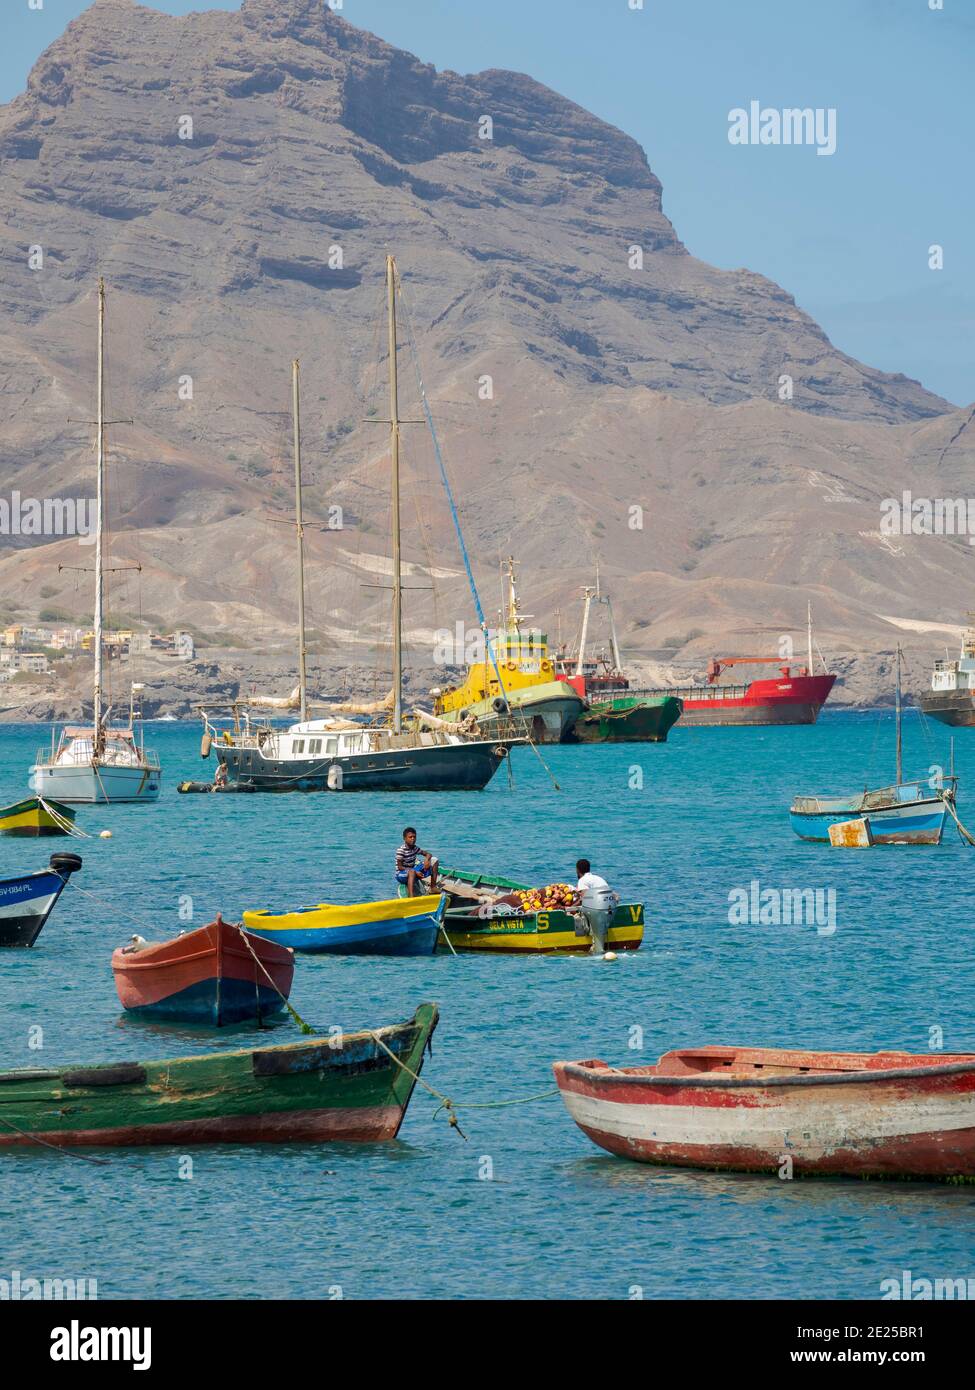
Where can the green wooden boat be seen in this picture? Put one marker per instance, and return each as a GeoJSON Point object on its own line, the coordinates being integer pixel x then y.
{"type": "Point", "coordinates": [628, 719]}
{"type": "Point", "coordinates": [501, 929]}
{"type": "Point", "coordinates": [341, 1088]}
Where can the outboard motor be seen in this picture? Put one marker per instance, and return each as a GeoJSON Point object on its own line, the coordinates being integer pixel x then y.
{"type": "Point", "coordinates": [598, 909]}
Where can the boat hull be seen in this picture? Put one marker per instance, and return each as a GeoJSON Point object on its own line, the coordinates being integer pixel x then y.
{"type": "Point", "coordinates": [86, 786]}
{"type": "Point", "coordinates": [25, 905]}
{"type": "Point", "coordinates": [627, 719]}
{"type": "Point", "coordinates": [548, 712]}
{"type": "Point", "coordinates": [346, 1088]}
{"type": "Point", "coordinates": [441, 767]}
{"type": "Point", "coordinates": [207, 976]}
{"type": "Point", "coordinates": [33, 818]}
{"type": "Point", "coordinates": [918, 823]}
{"type": "Point", "coordinates": [796, 700]}
{"type": "Point", "coordinates": [541, 933]}
{"type": "Point", "coordinates": [955, 708]}
{"type": "Point", "coordinates": [397, 927]}
{"type": "Point", "coordinates": [913, 1121]}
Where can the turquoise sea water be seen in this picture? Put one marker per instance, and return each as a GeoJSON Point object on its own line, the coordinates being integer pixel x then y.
{"type": "Point", "coordinates": [558, 1218]}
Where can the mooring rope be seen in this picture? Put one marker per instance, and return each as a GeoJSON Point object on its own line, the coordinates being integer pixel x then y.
{"type": "Point", "coordinates": [62, 822]}
{"type": "Point", "coordinates": [969, 839]}
{"type": "Point", "coordinates": [58, 1148]}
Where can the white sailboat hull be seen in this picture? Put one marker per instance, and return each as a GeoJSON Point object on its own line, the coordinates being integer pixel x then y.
{"type": "Point", "coordinates": [100, 784]}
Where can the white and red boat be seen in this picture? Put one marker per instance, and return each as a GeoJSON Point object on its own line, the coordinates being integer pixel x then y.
{"type": "Point", "coordinates": [883, 1114]}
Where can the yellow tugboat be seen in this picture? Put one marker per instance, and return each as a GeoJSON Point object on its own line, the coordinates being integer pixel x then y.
{"type": "Point", "coordinates": [528, 696]}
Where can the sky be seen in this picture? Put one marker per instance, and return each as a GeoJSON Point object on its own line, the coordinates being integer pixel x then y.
{"type": "Point", "coordinates": [849, 234]}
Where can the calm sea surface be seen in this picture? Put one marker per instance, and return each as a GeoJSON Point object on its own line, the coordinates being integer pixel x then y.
{"type": "Point", "coordinates": [558, 1218]}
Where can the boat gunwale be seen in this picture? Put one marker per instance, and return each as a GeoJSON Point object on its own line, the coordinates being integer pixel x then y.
{"type": "Point", "coordinates": [304, 1044]}
{"type": "Point", "coordinates": [632, 1076]}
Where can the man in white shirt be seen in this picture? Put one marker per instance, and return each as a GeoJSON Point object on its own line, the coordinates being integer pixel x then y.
{"type": "Point", "coordinates": [598, 903]}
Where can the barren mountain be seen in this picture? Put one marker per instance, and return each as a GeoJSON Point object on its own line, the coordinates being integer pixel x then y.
{"type": "Point", "coordinates": [238, 180]}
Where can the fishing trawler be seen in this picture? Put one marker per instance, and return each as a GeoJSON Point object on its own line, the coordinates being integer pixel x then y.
{"type": "Point", "coordinates": [98, 763]}
{"type": "Point", "coordinates": [341, 751]}
{"type": "Point", "coordinates": [951, 699]}
{"type": "Point", "coordinates": [613, 713]}
{"type": "Point", "coordinates": [517, 685]}
{"type": "Point", "coordinates": [911, 813]}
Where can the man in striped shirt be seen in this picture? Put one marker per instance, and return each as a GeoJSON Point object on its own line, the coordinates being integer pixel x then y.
{"type": "Point", "coordinates": [407, 869]}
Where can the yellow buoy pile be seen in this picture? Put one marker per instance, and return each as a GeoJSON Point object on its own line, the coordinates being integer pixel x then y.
{"type": "Point", "coordinates": [555, 895]}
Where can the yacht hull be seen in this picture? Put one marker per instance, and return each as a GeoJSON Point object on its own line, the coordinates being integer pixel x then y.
{"type": "Point", "coordinates": [88, 785]}
{"type": "Point", "coordinates": [443, 767]}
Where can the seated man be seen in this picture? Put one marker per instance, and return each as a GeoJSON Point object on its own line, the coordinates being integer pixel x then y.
{"type": "Point", "coordinates": [407, 869]}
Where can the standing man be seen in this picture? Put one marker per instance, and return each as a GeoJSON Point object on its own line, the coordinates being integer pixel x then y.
{"type": "Point", "coordinates": [598, 903]}
{"type": "Point", "coordinates": [407, 870]}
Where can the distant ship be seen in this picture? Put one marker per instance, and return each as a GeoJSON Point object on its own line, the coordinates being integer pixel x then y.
{"type": "Point", "coordinates": [952, 695]}
{"type": "Point", "coordinates": [783, 699]}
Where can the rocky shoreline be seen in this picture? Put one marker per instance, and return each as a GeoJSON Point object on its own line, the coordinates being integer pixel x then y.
{"type": "Point", "coordinates": [177, 689]}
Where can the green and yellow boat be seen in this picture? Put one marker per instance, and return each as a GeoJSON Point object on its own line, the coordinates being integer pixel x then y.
{"type": "Point", "coordinates": [477, 920]}
{"type": "Point", "coordinates": [35, 816]}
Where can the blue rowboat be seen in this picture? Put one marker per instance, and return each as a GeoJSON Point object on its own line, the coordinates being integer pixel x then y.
{"type": "Point", "coordinates": [909, 813]}
{"type": "Point", "coordinates": [396, 927]}
{"type": "Point", "coordinates": [27, 901]}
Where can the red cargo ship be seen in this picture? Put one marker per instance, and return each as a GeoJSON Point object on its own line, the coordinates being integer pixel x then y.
{"type": "Point", "coordinates": [782, 699]}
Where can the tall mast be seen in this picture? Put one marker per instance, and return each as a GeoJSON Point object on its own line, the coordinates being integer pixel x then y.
{"type": "Point", "coordinates": [588, 595]}
{"type": "Point", "coordinates": [302, 676]}
{"type": "Point", "coordinates": [614, 641]}
{"type": "Point", "coordinates": [99, 519]}
{"type": "Point", "coordinates": [897, 714]}
{"type": "Point", "coordinates": [394, 455]}
{"type": "Point", "coordinates": [809, 659]}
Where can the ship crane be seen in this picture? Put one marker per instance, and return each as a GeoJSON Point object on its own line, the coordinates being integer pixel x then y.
{"type": "Point", "coordinates": [718, 664]}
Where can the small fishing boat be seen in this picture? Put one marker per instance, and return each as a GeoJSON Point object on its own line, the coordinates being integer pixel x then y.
{"type": "Point", "coordinates": [906, 813]}
{"type": "Point", "coordinates": [27, 901]}
{"type": "Point", "coordinates": [613, 713]}
{"type": "Point", "coordinates": [397, 927]}
{"type": "Point", "coordinates": [217, 974]}
{"type": "Point", "coordinates": [479, 918]}
{"type": "Point", "coordinates": [34, 817]}
{"type": "Point", "coordinates": [859, 1114]}
{"type": "Point", "coordinates": [346, 1087]}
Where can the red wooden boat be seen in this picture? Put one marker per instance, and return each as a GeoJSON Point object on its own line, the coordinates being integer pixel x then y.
{"type": "Point", "coordinates": [205, 976]}
{"type": "Point", "coordinates": [884, 1114]}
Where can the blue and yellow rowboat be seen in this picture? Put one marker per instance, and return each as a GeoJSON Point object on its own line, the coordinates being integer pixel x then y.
{"type": "Point", "coordinates": [397, 927]}
{"type": "Point", "coordinates": [35, 816]}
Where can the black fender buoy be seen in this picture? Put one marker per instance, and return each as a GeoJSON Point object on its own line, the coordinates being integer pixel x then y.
{"type": "Point", "coordinates": [65, 864]}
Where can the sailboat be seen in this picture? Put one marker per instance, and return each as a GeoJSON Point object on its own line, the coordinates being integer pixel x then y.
{"type": "Point", "coordinates": [338, 753]}
{"type": "Point", "coordinates": [912, 813]}
{"type": "Point", "coordinates": [99, 762]}
{"type": "Point", "coordinates": [614, 713]}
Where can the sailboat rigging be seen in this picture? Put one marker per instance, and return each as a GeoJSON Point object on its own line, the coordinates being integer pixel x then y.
{"type": "Point", "coordinates": [335, 753]}
{"type": "Point", "coordinates": [101, 763]}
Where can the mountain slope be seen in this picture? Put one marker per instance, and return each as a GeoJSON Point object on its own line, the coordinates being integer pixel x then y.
{"type": "Point", "coordinates": [315, 149]}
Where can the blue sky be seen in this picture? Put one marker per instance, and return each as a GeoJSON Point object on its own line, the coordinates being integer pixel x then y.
{"type": "Point", "coordinates": [847, 234]}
